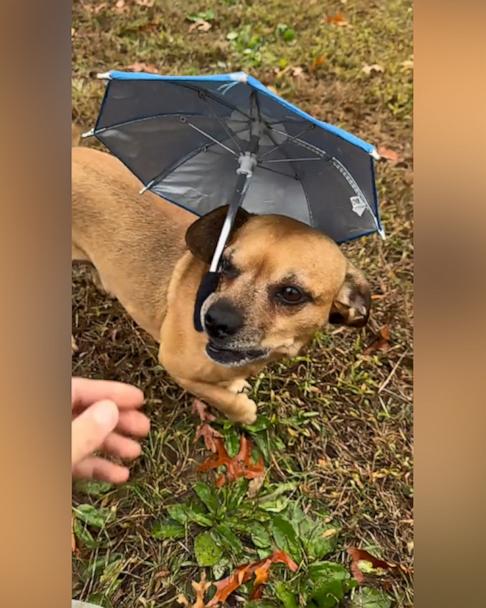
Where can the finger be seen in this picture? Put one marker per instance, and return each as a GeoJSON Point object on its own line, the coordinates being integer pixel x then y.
{"type": "Point", "coordinates": [85, 391]}
{"type": "Point", "coordinates": [133, 423]}
{"type": "Point", "coordinates": [123, 447]}
{"type": "Point", "coordinates": [91, 428]}
{"type": "Point", "coordinates": [100, 469]}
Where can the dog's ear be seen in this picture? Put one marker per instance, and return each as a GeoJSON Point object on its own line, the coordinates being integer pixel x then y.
{"type": "Point", "coordinates": [202, 236]}
{"type": "Point", "coordinates": [352, 304]}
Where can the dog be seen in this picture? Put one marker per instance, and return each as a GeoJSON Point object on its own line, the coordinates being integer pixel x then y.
{"type": "Point", "coordinates": [281, 281]}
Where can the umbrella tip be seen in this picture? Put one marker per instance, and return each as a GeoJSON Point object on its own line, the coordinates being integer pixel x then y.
{"type": "Point", "coordinates": [89, 133]}
{"type": "Point", "coordinates": [374, 154]}
{"type": "Point", "coordinates": [104, 76]}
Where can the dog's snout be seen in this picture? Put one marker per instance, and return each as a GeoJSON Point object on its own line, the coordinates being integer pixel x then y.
{"type": "Point", "coordinates": [222, 320]}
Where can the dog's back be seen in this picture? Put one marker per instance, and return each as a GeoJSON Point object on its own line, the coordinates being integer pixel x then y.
{"type": "Point", "coordinates": [125, 234]}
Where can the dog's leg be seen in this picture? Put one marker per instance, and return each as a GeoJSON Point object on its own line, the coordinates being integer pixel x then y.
{"type": "Point", "coordinates": [240, 385]}
{"type": "Point", "coordinates": [237, 407]}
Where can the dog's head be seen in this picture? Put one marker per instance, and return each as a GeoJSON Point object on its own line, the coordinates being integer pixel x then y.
{"type": "Point", "coordinates": [281, 281]}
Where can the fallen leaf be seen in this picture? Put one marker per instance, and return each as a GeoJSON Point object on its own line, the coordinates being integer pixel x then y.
{"type": "Point", "coordinates": [298, 72]}
{"type": "Point", "coordinates": [367, 69]}
{"type": "Point", "coordinates": [243, 574]}
{"type": "Point", "coordinates": [363, 563]}
{"type": "Point", "coordinates": [120, 6]}
{"type": "Point", "coordinates": [338, 19]}
{"type": "Point", "coordinates": [201, 409]}
{"type": "Point", "coordinates": [407, 65]}
{"type": "Point", "coordinates": [209, 436]}
{"type": "Point", "coordinates": [255, 485]}
{"type": "Point", "coordinates": [147, 3]}
{"type": "Point", "coordinates": [388, 154]}
{"type": "Point", "coordinates": [200, 25]}
{"type": "Point", "coordinates": [142, 67]}
{"type": "Point", "coordinates": [182, 600]}
{"type": "Point", "coordinates": [239, 466]}
{"type": "Point", "coordinates": [381, 342]}
{"type": "Point", "coordinates": [200, 588]}
{"type": "Point", "coordinates": [317, 62]}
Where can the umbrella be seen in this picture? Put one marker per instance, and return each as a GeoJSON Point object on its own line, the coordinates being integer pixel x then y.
{"type": "Point", "coordinates": [202, 141]}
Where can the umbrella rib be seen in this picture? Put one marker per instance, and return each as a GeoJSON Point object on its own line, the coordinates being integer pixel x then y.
{"type": "Point", "coordinates": [213, 97]}
{"type": "Point", "coordinates": [293, 160]}
{"type": "Point", "coordinates": [213, 139]}
{"type": "Point", "coordinates": [307, 128]}
{"type": "Point", "coordinates": [151, 117]}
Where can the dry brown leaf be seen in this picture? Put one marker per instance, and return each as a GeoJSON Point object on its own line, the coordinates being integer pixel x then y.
{"type": "Point", "coordinates": [147, 3]}
{"type": "Point", "coordinates": [338, 19]}
{"type": "Point", "coordinates": [142, 67]}
{"type": "Point", "coordinates": [298, 72]}
{"type": "Point", "coordinates": [388, 154]}
{"type": "Point", "coordinates": [120, 6]}
{"type": "Point", "coordinates": [239, 466]}
{"type": "Point", "coordinates": [255, 485]}
{"type": "Point", "coordinates": [209, 436]}
{"type": "Point", "coordinates": [200, 25]}
{"type": "Point", "coordinates": [375, 67]}
{"type": "Point", "coordinates": [200, 588]}
{"type": "Point", "coordinates": [243, 574]}
{"type": "Point", "coordinates": [381, 342]}
{"type": "Point", "coordinates": [363, 563]}
{"type": "Point", "coordinates": [318, 62]}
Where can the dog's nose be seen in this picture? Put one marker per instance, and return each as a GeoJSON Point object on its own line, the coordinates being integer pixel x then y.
{"type": "Point", "coordinates": [222, 319]}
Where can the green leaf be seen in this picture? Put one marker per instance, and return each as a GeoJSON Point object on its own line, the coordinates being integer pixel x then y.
{"type": "Point", "coordinates": [229, 539]}
{"type": "Point", "coordinates": [208, 553]}
{"type": "Point", "coordinates": [259, 535]}
{"type": "Point", "coordinates": [287, 598]}
{"type": "Point", "coordinates": [207, 495]}
{"type": "Point", "coordinates": [317, 544]}
{"type": "Point", "coordinates": [371, 598]}
{"type": "Point", "coordinates": [179, 513]}
{"type": "Point", "coordinates": [234, 494]}
{"type": "Point", "coordinates": [203, 15]}
{"type": "Point", "coordinates": [93, 516]}
{"type": "Point", "coordinates": [285, 537]}
{"type": "Point", "coordinates": [328, 594]}
{"type": "Point", "coordinates": [232, 441]}
{"type": "Point", "coordinates": [168, 529]}
{"type": "Point", "coordinates": [93, 488]}
{"type": "Point", "coordinates": [261, 423]}
{"type": "Point", "coordinates": [325, 571]}
{"type": "Point", "coordinates": [220, 568]}
{"type": "Point", "coordinates": [83, 534]}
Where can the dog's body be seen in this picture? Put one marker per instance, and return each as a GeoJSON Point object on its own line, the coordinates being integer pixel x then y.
{"type": "Point", "coordinates": [280, 283]}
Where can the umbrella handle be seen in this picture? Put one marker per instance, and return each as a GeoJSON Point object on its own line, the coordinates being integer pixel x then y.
{"type": "Point", "coordinates": [208, 285]}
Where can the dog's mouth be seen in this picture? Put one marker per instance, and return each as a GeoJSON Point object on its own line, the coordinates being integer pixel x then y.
{"type": "Point", "coordinates": [232, 357]}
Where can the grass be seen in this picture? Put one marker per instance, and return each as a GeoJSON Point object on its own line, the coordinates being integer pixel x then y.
{"type": "Point", "coordinates": [340, 420]}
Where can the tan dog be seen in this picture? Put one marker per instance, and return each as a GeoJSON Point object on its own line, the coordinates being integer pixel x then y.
{"type": "Point", "coordinates": [281, 281]}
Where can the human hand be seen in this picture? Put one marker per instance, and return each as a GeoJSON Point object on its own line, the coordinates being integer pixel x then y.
{"type": "Point", "coordinates": [104, 416]}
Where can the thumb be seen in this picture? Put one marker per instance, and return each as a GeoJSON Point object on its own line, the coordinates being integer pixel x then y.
{"type": "Point", "coordinates": [91, 428]}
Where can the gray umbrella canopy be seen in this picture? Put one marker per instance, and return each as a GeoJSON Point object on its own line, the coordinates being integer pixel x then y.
{"type": "Point", "coordinates": [204, 141]}
{"type": "Point", "coordinates": [183, 138]}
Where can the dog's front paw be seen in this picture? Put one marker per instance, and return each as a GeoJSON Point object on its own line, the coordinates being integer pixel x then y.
{"type": "Point", "coordinates": [239, 386]}
{"type": "Point", "coordinates": [244, 410]}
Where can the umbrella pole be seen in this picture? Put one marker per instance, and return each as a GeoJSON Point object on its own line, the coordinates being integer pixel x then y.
{"type": "Point", "coordinates": [247, 162]}
{"type": "Point", "coordinates": [210, 280]}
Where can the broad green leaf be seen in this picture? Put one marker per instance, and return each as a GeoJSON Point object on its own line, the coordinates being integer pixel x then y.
{"type": "Point", "coordinates": [318, 543]}
{"type": "Point", "coordinates": [275, 505]}
{"type": "Point", "coordinates": [259, 535]}
{"type": "Point", "coordinates": [93, 488]}
{"type": "Point", "coordinates": [179, 513]}
{"type": "Point", "coordinates": [285, 537]}
{"type": "Point", "coordinates": [83, 534]}
{"type": "Point", "coordinates": [326, 571]}
{"type": "Point", "coordinates": [260, 424]}
{"type": "Point", "coordinates": [207, 495]}
{"type": "Point", "coordinates": [328, 594]}
{"type": "Point", "coordinates": [208, 552]}
{"type": "Point", "coordinates": [228, 538]}
{"type": "Point", "coordinates": [168, 529]}
{"type": "Point", "coordinates": [220, 568]}
{"type": "Point", "coordinates": [287, 598]}
{"type": "Point", "coordinates": [93, 516]}
{"type": "Point", "coordinates": [262, 444]}
{"type": "Point", "coordinates": [234, 494]}
{"type": "Point", "coordinates": [371, 598]}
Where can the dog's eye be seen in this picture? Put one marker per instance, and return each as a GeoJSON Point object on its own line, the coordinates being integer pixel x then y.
{"type": "Point", "coordinates": [228, 270]}
{"type": "Point", "coordinates": [290, 295]}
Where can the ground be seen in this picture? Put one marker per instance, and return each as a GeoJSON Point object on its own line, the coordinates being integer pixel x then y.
{"type": "Point", "coordinates": [338, 419]}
